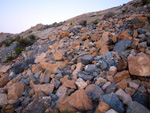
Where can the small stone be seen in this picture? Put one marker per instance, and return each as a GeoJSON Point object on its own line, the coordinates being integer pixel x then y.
{"type": "Point", "coordinates": [141, 31]}
{"type": "Point", "coordinates": [87, 59]}
{"type": "Point", "coordinates": [4, 69]}
{"type": "Point", "coordinates": [64, 79]}
{"type": "Point", "coordinates": [4, 80]}
{"type": "Point", "coordinates": [81, 83]}
{"type": "Point", "coordinates": [110, 88]}
{"type": "Point", "coordinates": [126, 98]}
{"type": "Point", "coordinates": [3, 99]}
{"type": "Point", "coordinates": [78, 69]}
{"type": "Point", "coordinates": [111, 111]}
{"type": "Point", "coordinates": [125, 35]}
{"type": "Point", "coordinates": [55, 82]}
{"type": "Point", "coordinates": [122, 65]}
{"type": "Point", "coordinates": [106, 85]}
{"type": "Point", "coordinates": [90, 68]}
{"type": "Point", "coordinates": [130, 91]}
{"type": "Point", "coordinates": [102, 107]}
{"type": "Point", "coordinates": [135, 107]}
{"type": "Point", "coordinates": [133, 85]}
{"type": "Point", "coordinates": [122, 84]}
{"type": "Point", "coordinates": [112, 70]}
{"type": "Point", "coordinates": [135, 43]}
{"type": "Point", "coordinates": [121, 75]}
{"type": "Point", "coordinates": [36, 68]}
{"type": "Point", "coordinates": [40, 58]}
{"type": "Point", "coordinates": [44, 78]}
{"type": "Point", "coordinates": [70, 84]}
{"type": "Point", "coordinates": [58, 56]}
{"type": "Point", "coordinates": [99, 80]}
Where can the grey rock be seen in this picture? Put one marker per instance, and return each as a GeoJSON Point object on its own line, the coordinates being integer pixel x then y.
{"type": "Point", "coordinates": [148, 41]}
{"type": "Point", "coordinates": [108, 15]}
{"type": "Point", "coordinates": [140, 98]}
{"type": "Point", "coordinates": [87, 59]}
{"type": "Point", "coordinates": [135, 107]}
{"type": "Point", "coordinates": [22, 65]}
{"type": "Point", "coordinates": [103, 65]}
{"type": "Point", "coordinates": [58, 76]}
{"type": "Point", "coordinates": [111, 88]}
{"type": "Point", "coordinates": [90, 68]}
{"type": "Point", "coordinates": [122, 45]}
{"type": "Point", "coordinates": [141, 31]}
{"type": "Point", "coordinates": [75, 30]}
{"type": "Point", "coordinates": [84, 76]}
{"type": "Point", "coordinates": [113, 101]}
{"type": "Point", "coordinates": [135, 21]}
{"type": "Point", "coordinates": [95, 95]}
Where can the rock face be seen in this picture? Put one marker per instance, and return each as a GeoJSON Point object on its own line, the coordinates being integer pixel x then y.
{"type": "Point", "coordinates": [78, 100]}
{"type": "Point", "coordinates": [15, 91]}
{"type": "Point", "coordinates": [139, 65]}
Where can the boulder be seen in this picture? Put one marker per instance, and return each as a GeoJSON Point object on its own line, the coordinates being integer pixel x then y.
{"type": "Point", "coordinates": [135, 107]}
{"type": "Point", "coordinates": [15, 91]}
{"type": "Point", "coordinates": [139, 65]}
{"type": "Point", "coordinates": [77, 101]}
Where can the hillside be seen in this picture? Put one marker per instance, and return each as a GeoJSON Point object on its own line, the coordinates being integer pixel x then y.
{"type": "Point", "coordinates": [97, 62]}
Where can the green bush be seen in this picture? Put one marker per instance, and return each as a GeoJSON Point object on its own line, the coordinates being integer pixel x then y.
{"type": "Point", "coordinates": [18, 50]}
{"type": "Point", "coordinates": [123, 11]}
{"type": "Point", "coordinates": [10, 58]}
{"type": "Point", "coordinates": [24, 42]}
{"type": "Point", "coordinates": [95, 22]}
{"type": "Point", "coordinates": [7, 43]}
{"type": "Point", "coordinates": [32, 37]}
{"type": "Point", "coordinates": [18, 38]}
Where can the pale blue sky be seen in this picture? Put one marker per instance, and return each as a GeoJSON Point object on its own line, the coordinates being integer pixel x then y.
{"type": "Point", "coordinates": [19, 15]}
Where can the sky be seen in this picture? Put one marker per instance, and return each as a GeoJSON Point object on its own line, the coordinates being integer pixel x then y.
{"type": "Point", "coordinates": [19, 15]}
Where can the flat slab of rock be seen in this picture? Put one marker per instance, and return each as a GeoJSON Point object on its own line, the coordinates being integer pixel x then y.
{"type": "Point", "coordinates": [139, 65]}
{"type": "Point", "coordinates": [77, 101]}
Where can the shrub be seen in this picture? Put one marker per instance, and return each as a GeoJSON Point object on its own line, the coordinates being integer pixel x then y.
{"type": "Point", "coordinates": [7, 43]}
{"type": "Point", "coordinates": [10, 58]}
{"type": "Point", "coordinates": [18, 38]}
{"type": "Point", "coordinates": [18, 50]}
{"type": "Point", "coordinates": [32, 37]}
{"type": "Point", "coordinates": [123, 11]}
{"type": "Point", "coordinates": [95, 22]}
{"type": "Point", "coordinates": [24, 42]}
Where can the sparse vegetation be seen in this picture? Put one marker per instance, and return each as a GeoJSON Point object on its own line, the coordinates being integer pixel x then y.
{"type": "Point", "coordinates": [24, 42]}
{"type": "Point", "coordinates": [18, 50]}
{"type": "Point", "coordinates": [10, 58]}
{"type": "Point", "coordinates": [123, 11]}
{"type": "Point", "coordinates": [95, 22]}
{"type": "Point", "coordinates": [32, 37]}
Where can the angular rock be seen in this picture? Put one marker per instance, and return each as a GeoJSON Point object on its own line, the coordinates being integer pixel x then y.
{"type": "Point", "coordinates": [77, 101]}
{"type": "Point", "coordinates": [78, 69]}
{"type": "Point", "coordinates": [133, 85]}
{"type": "Point", "coordinates": [84, 76]}
{"type": "Point", "coordinates": [122, 84]}
{"type": "Point", "coordinates": [110, 88]}
{"type": "Point", "coordinates": [135, 107]}
{"type": "Point", "coordinates": [139, 65]}
{"type": "Point", "coordinates": [36, 68]}
{"type": "Point", "coordinates": [122, 45]}
{"type": "Point", "coordinates": [81, 83]}
{"type": "Point", "coordinates": [4, 80]}
{"type": "Point", "coordinates": [126, 98]}
{"type": "Point", "coordinates": [90, 68]}
{"type": "Point", "coordinates": [38, 105]}
{"type": "Point", "coordinates": [130, 91]}
{"type": "Point", "coordinates": [45, 78]}
{"type": "Point", "coordinates": [121, 75]}
{"type": "Point", "coordinates": [70, 84]}
{"type": "Point", "coordinates": [87, 59]}
{"type": "Point", "coordinates": [40, 58]}
{"type": "Point", "coordinates": [4, 69]}
{"type": "Point", "coordinates": [3, 99]}
{"type": "Point", "coordinates": [58, 56]}
{"type": "Point", "coordinates": [15, 91]}
{"type": "Point", "coordinates": [102, 107]}
{"type": "Point", "coordinates": [125, 35]}
{"type": "Point", "coordinates": [113, 101]}
{"type": "Point", "coordinates": [45, 88]}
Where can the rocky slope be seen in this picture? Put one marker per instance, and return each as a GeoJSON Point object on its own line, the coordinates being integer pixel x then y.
{"type": "Point", "coordinates": [94, 63]}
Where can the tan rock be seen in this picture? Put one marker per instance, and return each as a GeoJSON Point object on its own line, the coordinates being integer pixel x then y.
{"type": "Point", "coordinates": [133, 85]}
{"type": "Point", "coordinates": [112, 70]}
{"type": "Point", "coordinates": [111, 111]}
{"type": "Point", "coordinates": [64, 34]}
{"type": "Point", "coordinates": [70, 84]}
{"type": "Point", "coordinates": [125, 35]}
{"type": "Point", "coordinates": [77, 101]}
{"type": "Point", "coordinates": [3, 99]}
{"type": "Point", "coordinates": [15, 91]}
{"type": "Point", "coordinates": [4, 69]}
{"type": "Point", "coordinates": [135, 34]}
{"type": "Point", "coordinates": [139, 65]}
{"type": "Point", "coordinates": [102, 107]}
{"type": "Point", "coordinates": [45, 88]}
{"type": "Point", "coordinates": [122, 65]}
{"type": "Point", "coordinates": [99, 80]}
{"type": "Point", "coordinates": [95, 37]}
{"type": "Point", "coordinates": [64, 79]}
{"type": "Point", "coordinates": [122, 84]}
{"type": "Point", "coordinates": [106, 85]}
{"type": "Point", "coordinates": [78, 69]}
{"type": "Point", "coordinates": [90, 88]}
{"type": "Point", "coordinates": [130, 91]}
{"type": "Point", "coordinates": [8, 108]}
{"type": "Point", "coordinates": [58, 56]}
{"type": "Point", "coordinates": [4, 80]}
{"type": "Point", "coordinates": [36, 68]}
{"type": "Point", "coordinates": [121, 75]}
{"type": "Point", "coordinates": [135, 43]}
{"type": "Point", "coordinates": [110, 78]}
{"type": "Point", "coordinates": [40, 58]}
{"type": "Point", "coordinates": [104, 49]}
{"type": "Point", "coordinates": [126, 98]}
{"type": "Point", "coordinates": [81, 83]}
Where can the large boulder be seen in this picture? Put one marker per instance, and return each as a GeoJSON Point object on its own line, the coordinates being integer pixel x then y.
{"type": "Point", "coordinates": [139, 65]}
{"type": "Point", "coordinates": [77, 101]}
